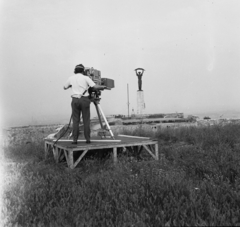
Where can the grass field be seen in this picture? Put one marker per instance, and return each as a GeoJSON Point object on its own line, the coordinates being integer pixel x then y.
{"type": "Point", "coordinates": [196, 182]}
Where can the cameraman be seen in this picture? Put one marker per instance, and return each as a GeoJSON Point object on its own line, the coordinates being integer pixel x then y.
{"type": "Point", "coordinates": [80, 101]}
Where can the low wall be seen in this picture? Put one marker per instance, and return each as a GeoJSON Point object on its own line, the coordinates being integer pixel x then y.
{"type": "Point", "coordinates": [119, 129]}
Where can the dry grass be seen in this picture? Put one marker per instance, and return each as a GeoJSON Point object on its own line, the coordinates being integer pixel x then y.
{"type": "Point", "coordinates": [195, 182]}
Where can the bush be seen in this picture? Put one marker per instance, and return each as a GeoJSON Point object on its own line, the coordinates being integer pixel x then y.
{"type": "Point", "coordinates": [25, 152]}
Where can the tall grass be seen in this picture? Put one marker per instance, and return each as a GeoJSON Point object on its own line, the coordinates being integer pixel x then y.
{"type": "Point", "coordinates": [195, 182]}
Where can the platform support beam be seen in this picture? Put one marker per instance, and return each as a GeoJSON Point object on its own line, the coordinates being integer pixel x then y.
{"type": "Point", "coordinates": [114, 154]}
{"type": "Point", "coordinates": [61, 154]}
{"type": "Point", "coordinates": [66, 156]}
{"type": "Point", "coordinates": [46, 149]}
{"type": "Point", "coordinates": [55, 153]}
{"type": "Point", "coordinates": [150, 152]}
{"type": "Point", "coordinates": [70, 159]}
{"type": "Point", "coordinates": [80, 158]}
{"type": "Point", "coordinates": [156, 151]}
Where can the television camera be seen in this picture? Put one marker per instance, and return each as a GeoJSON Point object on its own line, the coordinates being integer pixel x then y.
{"type": "Point", "coordinates": [94, 95]}
{"type": "Point", "coordinates": [105, 83]}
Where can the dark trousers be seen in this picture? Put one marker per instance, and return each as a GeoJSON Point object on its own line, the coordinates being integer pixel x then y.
{"type": "Point", "coordinates": [79, 106]}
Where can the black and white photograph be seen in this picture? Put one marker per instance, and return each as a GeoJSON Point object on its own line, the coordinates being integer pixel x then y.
{"type": "Point", "coordinates": [119, 113]}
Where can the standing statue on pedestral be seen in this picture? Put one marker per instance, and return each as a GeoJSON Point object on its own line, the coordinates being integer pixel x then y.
{"type": "Point", "coordinates": [139, 73]}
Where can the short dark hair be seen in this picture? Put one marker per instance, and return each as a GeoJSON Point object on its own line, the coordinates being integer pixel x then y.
{"type": "Point", "coordinates": [79, 69]}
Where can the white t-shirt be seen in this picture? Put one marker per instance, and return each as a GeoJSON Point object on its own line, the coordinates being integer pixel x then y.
{"type": "Point", "coordinates": [80, 84]}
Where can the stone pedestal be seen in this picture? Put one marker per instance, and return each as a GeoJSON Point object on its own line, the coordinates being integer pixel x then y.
{"type": "Point", "coordinates": [140, 102]}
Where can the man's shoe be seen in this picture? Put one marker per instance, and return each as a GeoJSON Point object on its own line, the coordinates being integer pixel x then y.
{"type": "Point", "coordinates": [88, 141]}
{"type": "Point", "coordinates": [74, 142]}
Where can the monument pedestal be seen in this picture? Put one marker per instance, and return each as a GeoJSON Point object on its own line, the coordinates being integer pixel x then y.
{"type": "Point", "coordinates": [140, 102]}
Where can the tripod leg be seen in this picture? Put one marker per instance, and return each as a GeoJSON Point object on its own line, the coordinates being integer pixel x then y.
{"type": "Point", "coordinates": [99, 117]}
{"type": "Point", "coordinates": [105, 120]}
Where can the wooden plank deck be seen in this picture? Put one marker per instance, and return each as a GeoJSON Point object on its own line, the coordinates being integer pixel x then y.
{"type": "Point", "coordinates": [66, 149]}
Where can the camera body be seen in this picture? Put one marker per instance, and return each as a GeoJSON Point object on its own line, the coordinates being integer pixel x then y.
{"type": "Point", "coordinates": [95, 75]}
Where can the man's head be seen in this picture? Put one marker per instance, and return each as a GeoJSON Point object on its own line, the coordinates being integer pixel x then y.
{"type": "Point", "coordinates": [79, 69]}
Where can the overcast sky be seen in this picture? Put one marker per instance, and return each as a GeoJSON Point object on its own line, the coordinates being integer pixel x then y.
{"type": "Point", "coordinates": [190, 50]}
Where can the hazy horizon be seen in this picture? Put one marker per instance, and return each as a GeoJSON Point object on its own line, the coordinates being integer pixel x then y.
{"type": "Point", "coordinates": [189, 49]}
{"type": "Point", "coordinates": [63, 119]}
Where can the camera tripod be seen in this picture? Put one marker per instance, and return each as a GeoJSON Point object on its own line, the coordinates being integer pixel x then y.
{"type": "Point", "coordinates": [96, 101]}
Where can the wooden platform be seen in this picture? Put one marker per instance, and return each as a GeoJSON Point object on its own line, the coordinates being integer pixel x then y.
{"type": "Point", "coordinates": [65, 149]}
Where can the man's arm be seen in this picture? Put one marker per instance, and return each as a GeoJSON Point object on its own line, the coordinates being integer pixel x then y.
{"type": "Point", "coordinates": [67, 85]}
{"type": "Point", "coordinates": [98, 87]}
{"type": "Point", "coordinates": [65, 88]}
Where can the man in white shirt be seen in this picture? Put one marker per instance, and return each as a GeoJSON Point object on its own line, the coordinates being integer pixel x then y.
{"type": "Point", "coordinates": [80, 101]}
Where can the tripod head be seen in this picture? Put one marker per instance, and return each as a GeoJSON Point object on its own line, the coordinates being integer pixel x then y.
{"type": "Point", "coordinates": [101, 84]}
{"type": "Point", "coordinates": [95, 93]}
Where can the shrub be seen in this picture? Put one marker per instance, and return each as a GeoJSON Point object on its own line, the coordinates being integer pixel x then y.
{"type": "Point", "coordinates": [25, 152]}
